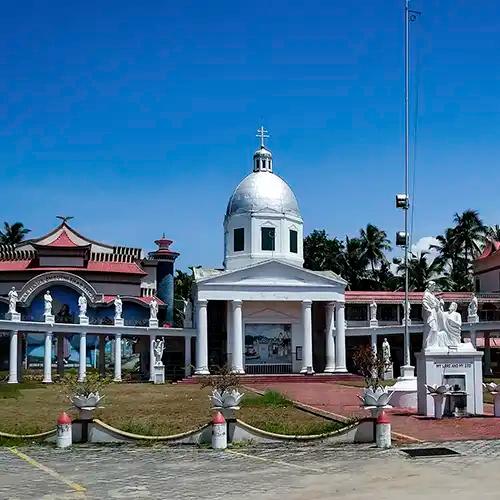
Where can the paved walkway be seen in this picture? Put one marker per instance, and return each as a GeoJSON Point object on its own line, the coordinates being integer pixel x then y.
{"type": "Point", "coordinates": [342, 400]}
{"type": "Point", "coordinates": [295, 472]}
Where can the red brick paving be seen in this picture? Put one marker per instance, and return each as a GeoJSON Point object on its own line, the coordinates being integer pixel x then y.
{"type": "Point", "coordinates": [342, 400]}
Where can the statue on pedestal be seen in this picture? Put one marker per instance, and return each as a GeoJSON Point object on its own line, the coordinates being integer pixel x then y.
{"type": "Point", "coordinates": [13, 297]}
{"type": "Point", "coordinates": [472, 310]}
{"type": "Point", "coordinates": [153, 309]}
{"type": "Point", "coordinates": [82, 305]}
{"type": "Point", "coordinates": [47, 303]}
{"type": "Point", "coordinates": [373, 311]}
{"type": "Point", "coordinates": [406, 313]}
{"type": "Point", "coordinates": [118, 307]}
{"type": "Point", "coordinates": [442, 329]}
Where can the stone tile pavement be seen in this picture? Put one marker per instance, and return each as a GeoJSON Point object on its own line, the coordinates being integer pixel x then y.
{"type": "Point", "coordinates": [305, 471]}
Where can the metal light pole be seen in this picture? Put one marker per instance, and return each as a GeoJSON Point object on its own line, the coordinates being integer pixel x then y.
{"type": "Point", "coordinates": [407, 204]}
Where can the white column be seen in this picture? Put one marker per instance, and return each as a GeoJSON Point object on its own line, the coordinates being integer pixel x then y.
{"type": "Point", "coordinates": [118, 357]}
{"type": "Point", "coordinates": [187, 356]}
{"type": "Point", "coordinates": [152, 339]}
{"type": "Point", "coordinates": [201, 338]}
{"type": "Point", "coordinates": [229, 330]}
{"type": "Point", "coordinates": [340, 357]}
{"type": "Point", "coordinates": [13, 358]}
{"type": "Point", "coordinates": [307, 354]}
{"type": "Point", "coordinates": [473, 337]}
{"type": "Point", "coordinates": [329, 337]}
{"type": "Point", "coordinates": [237, 337]}
{"type": "Point", "coordinates": [47, 358]}
{"type": "Point", "coordinates": [374, 342]}
{"type": "Point", "coordinates": [82, 357]}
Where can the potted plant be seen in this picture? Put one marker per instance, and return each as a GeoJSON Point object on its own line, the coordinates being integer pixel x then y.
{"type": "Point", "coordinates": [371, 366]}
{"type": "Point", "coordinates": [86, 395]}
{"type": "Point", "coordinates": [224, 384]}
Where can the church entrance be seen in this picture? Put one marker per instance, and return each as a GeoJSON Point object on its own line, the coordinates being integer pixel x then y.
{"type": "Point", "coordinates": [268, 348]}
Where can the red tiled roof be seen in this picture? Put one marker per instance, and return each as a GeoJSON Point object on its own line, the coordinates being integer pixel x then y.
{"type": "Point", "coordinates": [363, 297]}
{"type": "Point", "coordinates": [146, 300]}
{"type": "Point", "coordinates": [63, 240]}
{"type": "Point", "coordinates": [491, 248]}
{"type": "Point", "coordinates": [93, 266]}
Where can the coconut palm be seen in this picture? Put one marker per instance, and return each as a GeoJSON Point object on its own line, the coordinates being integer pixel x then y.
{"type": "Point", "coordinates": [374, 243]}
{"type": "Point", "coordinates": [355, 263]}
{"type": "Point", "coordinates": [13, 234]}
{"type": "Point", "coordinates": [493, 233]}
{"type": "Point", "coordinates": [322, 253]}
{"type": "Point", "coordinates": [469, 233]}
{"type": "Point", "coordinates": [421, 270]}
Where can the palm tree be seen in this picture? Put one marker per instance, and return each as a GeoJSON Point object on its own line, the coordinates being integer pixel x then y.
{"type": "Point", "coordinates": [421, 271]}
{"type": "Point", "coordinates": [355, 263]}
{"type": "Point", "coordinates": [493, 233]}
{"type": "Point", "coordinates": [13, 234]}
{"type": "Point", "coordinates": [469, 233]}
{"type": "Point", "coordinates": [374, 243]}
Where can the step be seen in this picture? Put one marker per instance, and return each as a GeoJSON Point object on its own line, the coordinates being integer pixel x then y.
{"type": "Point", "coordinates": [297, 378]}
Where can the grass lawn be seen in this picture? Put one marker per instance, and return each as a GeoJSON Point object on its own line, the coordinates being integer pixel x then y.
{"type": "Point", "coordinates": [150, 409]}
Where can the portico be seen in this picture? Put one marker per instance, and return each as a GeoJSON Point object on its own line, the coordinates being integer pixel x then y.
{"type": "Point", "coordinates": [269, 317]}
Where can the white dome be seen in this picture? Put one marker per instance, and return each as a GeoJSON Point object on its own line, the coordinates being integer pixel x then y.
{"type": "Point", "coordinates": [263, 192]}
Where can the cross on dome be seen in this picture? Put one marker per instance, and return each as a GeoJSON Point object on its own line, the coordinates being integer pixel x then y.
{"type": "Point", "coordinates": [262, 133]}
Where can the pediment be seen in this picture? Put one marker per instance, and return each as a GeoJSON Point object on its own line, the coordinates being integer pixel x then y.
{"type": "Point", "coordinates": [273, 273]}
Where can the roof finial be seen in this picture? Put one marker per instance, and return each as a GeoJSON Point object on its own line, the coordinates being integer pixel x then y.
{"type": "Point", "coordinates": [262, 134]}
{"type": "Point", "coordinates": [64, 218]}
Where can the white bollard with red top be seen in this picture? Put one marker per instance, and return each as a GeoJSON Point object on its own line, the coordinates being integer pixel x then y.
{"type": "Point", "coordinates": [383, 431]}
{"type": "Point", "coordinates": [64, 432]}
{"type": "Point", "coordinates": [219, 432]}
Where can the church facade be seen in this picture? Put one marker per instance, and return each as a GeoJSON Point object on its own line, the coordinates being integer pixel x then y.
{"type": "Point", "coordinates": [71, 265]}
{"type": "Point", "coordinates": [263, 312]}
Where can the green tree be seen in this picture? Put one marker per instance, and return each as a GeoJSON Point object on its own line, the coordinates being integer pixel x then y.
{"type": "Point", "coordinates": [421, 270]}
{"type": "Point", "coordinates": [183, 286]}
{"type": "Point", "coordinates": [13, 234]}
{"type": "Point", "coordinates": [493, 233]}
{"type": "Point", "coordinates": [469, 233]}
{"type": "Point", "coordinates": [322, 253]}
{"type": "Point", "coordinates": [355, 263]}
{"type": "Point", "coordinates": [374, 244]}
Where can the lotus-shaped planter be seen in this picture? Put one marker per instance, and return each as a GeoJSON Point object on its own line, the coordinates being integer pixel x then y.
{"type": "Point", "coordinates": [89, 401]}
{"type": "Point", "coordinates": [378, 397]}
{"type": "Point", "coordinates": [437, 389]}
{"type": "Point", "coordinates": [492, 388]}
{"type": "Point", "coordinates": [226, 399]}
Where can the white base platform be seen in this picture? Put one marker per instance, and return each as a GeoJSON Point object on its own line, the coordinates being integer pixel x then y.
{"type": "Point", "coordinates": [49, 318]}
{"type": "Point", "coordinates": [119, 322]}
{"type": "Point", "coordinates": [159, 374]}
{"type": "Point", "coordinates": [404, 391]}
{"type": "Point", "coordinates": [153, 323]}
{"type": "Point", "coordinates": [83, 320]}
{"type": "Point", "coordinates": [449, 367]}
{"type": "Point", "coordinates": [15, 316]}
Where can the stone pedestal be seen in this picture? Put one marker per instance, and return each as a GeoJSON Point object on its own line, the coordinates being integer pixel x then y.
{"type": "Point", "coordinates": [119, 322]}
{"type": "Point", "coordinates": [15, 316]}
{"type": "Point", "coordinates": [153, 323]}
{"type": "Point", "coordinates": [373, 323]}
{"type": "Point", "coordinates": [159, 374]}
{"type": "Point", "coordinates": [460, 367]}
{"type": "Point", "coordinates": [474, 318]}
{"type": "Point", "coordinates": [404, 391]}
{"type": "Point", "coordinates": [83, 320]}
{"type": "Point", "coordinates": [49, 318]}
{"type": "Point", "coordinates": [388, 373]}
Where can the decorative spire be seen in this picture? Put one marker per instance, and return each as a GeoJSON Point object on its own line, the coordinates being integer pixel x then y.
{"type": "Point", "coordinates": [262, 158]}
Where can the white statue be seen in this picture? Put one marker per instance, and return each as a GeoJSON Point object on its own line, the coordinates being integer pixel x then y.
{"type": "Point", "coordinates": [158, 348]}
{"type": "Point", "coordinates": [82, 304]}
{"type": "Point", "coordinates": [153, 309]}
{"type": "Point", "coordinates": [47, 298]}
{"type": "Point", "coordinates": [406, 312]}
{"type": "Point", "coordinates": [373, 311]}
{"type": "Point", "coordinates": [188, 314]}
{"type": "Point", "coordinates": [118, 307]}
{"type": "Point", "coordinates": [386, 352]}
{"type": "Point", "coordinates": [12, 300]}
{"type": "Point", "coordinates": [472, 309]}
{"type": "Point", "coordinates": [442, 329]}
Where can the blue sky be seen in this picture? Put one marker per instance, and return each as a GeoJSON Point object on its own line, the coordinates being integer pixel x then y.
{"type": "Point", "coordinates": [139, 118]}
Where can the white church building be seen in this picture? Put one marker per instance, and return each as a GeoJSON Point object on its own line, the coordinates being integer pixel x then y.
{"type": "Point", "coordinates": [263, 312]}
